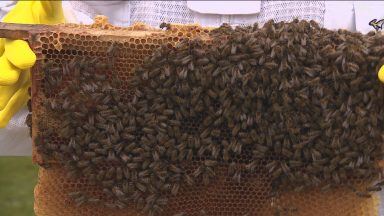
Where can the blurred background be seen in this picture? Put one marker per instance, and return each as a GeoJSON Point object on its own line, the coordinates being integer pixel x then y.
{"type": "Point", "coordinates": [18, 177]}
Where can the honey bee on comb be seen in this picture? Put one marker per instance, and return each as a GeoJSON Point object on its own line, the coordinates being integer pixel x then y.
{"type": "Point", "coordinates": [166, 26]}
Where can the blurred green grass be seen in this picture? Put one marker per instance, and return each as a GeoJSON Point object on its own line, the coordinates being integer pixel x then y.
{"type": "Point", "coordinates": [18, 177]}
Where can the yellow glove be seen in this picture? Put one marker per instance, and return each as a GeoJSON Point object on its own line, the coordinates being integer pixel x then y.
{"type": "Point", "coordinates": [381, 74]}
{"type": "Point", "coordinates": [16, 58]}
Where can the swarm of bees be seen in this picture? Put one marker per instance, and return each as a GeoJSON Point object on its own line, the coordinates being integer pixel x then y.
{"type": "Point", "coordinates": [302, 100]}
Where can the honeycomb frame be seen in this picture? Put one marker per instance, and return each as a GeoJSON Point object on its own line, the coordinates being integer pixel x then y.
{"type": "Point", "coordinates": [61, 42]}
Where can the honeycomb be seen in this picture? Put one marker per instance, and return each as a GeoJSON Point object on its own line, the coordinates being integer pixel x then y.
{"type": "Point", "coordinates": [222, 197]}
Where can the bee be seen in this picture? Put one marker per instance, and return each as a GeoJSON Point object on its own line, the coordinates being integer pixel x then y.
{"type": "Point", "coordinates": [161, 201]}
{"type": "Point", "coordinates": [119, 173]}
{"type": "Point", "coordinates": [237, 177]}
{"type": "Point", "coordinates": [363, 194]}
{"type": "Point", "coordinates": [120, 204]}
{"type": "Point", "coordinates": [149, 130]}
{"type": "Point", "coordinates": [210, 163]}
{"type": "Point", "coordinates": [189, 180]}
{"type": "Point", "coordinates": [89, 155]}
{"type": "Point", "coordinates": [198, 171]}
{"type": "Point", "coordinates": [165, 25]}
{"type": "Point", "coordinates": [128, 137]}
{"type": "Point", "coordinates": [107, 184]}
{"type": "Point", "coordinates": [117, 192]}
{"type": "Point", "coordinates": [110, 205]}
{"type": "Point", "coordinates": [235, 130]}
{"type": "Point", "coordinates": [75, 194]}
{"type": "Point", "coordinates": [80, 201]}
{"type": "Point", "coordinates": [28, 120]}
{"type": "Point", "coordinates": [141, 187]}
{"type": "Point", "coordinates": [175, 189]}
{"type": "Point", "coordinates": [276, 173]}
{"type": "Point", "coordinates": [373, 188]}
{"type": "Point", "coordinates": [111, 51]}
{"type": "Point", "coordinates": [206, 178]}
{"type": "Point", "coordinates": [285, 167]}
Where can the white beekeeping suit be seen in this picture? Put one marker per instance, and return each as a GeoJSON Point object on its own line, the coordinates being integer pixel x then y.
{"type": "Point", "coordinates": [351, 15]}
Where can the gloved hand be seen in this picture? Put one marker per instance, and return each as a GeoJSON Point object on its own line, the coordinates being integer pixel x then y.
{"type": "Point", "coordinates": [381, 74]}
{"type": "Point", "coordinates": [16, 58]}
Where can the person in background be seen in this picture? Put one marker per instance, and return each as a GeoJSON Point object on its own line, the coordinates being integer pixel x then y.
{"type": "Point", "coordinates": [16, 58]}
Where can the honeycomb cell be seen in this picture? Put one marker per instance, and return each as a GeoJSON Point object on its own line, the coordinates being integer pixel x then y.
{"type": "Point", "coordinates": [44, 40]}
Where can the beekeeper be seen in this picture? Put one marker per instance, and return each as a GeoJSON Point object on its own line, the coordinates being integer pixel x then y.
{"type": "Point", "coordinates": [16, 56]}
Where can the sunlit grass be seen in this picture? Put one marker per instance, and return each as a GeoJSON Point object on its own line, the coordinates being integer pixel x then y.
{"type": "Point", "coordinates": [18, 178]}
